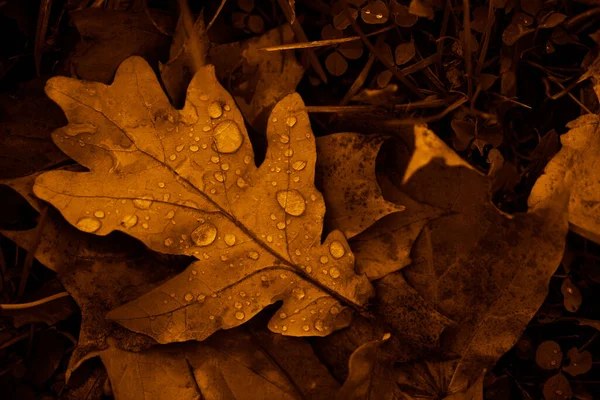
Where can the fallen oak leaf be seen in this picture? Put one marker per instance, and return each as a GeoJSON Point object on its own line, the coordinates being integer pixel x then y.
{"type": "Point", "coordinates": [231, 364]}
{"type": "Point", "coordinates": [475, 264]}
{"type": "Point", "coordinates": [579, 155]}
{"type": "Point", "coordinates": [346, 174]}
{"type": "Point", "coordinates": [184, 182]}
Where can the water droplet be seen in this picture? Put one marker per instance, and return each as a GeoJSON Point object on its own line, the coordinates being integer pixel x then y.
{"type": "Point", "coordinates": [298, 292]}
{"type": "Point", "coordinates": [227, 107]}
{"type": "Point", "coordinates": [161, 184]}
{"type": "Point", "coordinates": [204, 235]}
{"type": "Point", "coordinates": [142, 204]}
{"type": "Point", "coordinates": [337, 249]}
{"type": "Point", "coordinates": [273, 217]}
{"type": "Point", "coordinates": [188, 296]}
{"type": "Point", "coordinates": [291, 121]}
{"type": "Point", "coordinates": [241, 182]}
{"type": "Point", "coordinates": [204, 97]}
{"type": "Point", "coordinates": [225, 167]}
{"type": "Point", "coordinates": [99, 214]}
{"type": "Point", "coordinates": [206, 128]}
{"type": "Point", "coordinates": [179, 148]}
{"type": "Point", "coordinates": [173, 157]}
{"type": "Point", "coordinates": [309, 269]}
{"type": "Point", "coordinates": [223, 257]}
{"type": "Point", "coordinates": [296, 178]}
{"type": "Point", "coordinates": [228, 137]}
{"type": "Point", "coordinates": [215, 159]}
{"type": "Point", "coordinates": [194, 272]}
{"type": "Point", "coordinates": [166, 197]}
{"type": "Point", "coordinates": [211, 317]}
{"type": "Point", "coordinates": [324, 259]}
{"type": "Point", "coordinates": [170, 214]}
{"type": "Point", "coordinates": [568, 290]}
{"type": "Point", "coordinates": [281, 225]}
{"type": "Point", "coordinates": [242, 294]}
{"type": "Point", "coordinates": [197, 138]}
{"type": "Point", "coordinates": [145, 225]}
{"type": "Point", "coordinates": [219, 176]}
{"type": "Point", "coordinates": [201, 298]}
{"type": "Point", "coordinates": [214, 110]}
{"type": "Point", "coordinates": [274, 183]}
{"type": "Point", "coordinates": [291, 201]}
{"type": "Point", "coordinates": [379, 16]}
{"type": "Point", "coordinates": [319, 325]}
{"type": "Point", "coordinates": [264, 278]}
{"type": "Point", "coordinates": [88, 224]}
{"type": "Point", "coordinates": [299, 165]}
{"type": "Point", "coordinates": [230, 239]}
{"type": "Point", "coordinates": [129, 221]}
{"type": "Point", "coordinates": [284, 328]}
{"type": "Point", "coordinates": [334, 273]}
{"type": "Point", "coordinates": [367, 11]}
{"type": "Point", "coordinates": [168, 242]}
{"type": "Point", "coordinates": [297, 252]}
{"type": "Point", "coordinates": [269, 238]}
{"type": "Point", "coordinates": [305, 328]}
{"type": "Point", "coordinates": [334, 310]}
{"type": "Point", "coordinates": [284, 139]}
{"type": "Point", "coordinates": [194, 148]}
{"type": "Point", "coordinates": [289, 152]}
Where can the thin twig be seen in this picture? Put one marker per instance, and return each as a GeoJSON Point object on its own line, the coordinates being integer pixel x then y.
{"type": "Point", "coordinates": [14, 340]}
{"type": "Point", "coordinates": [486, 39]}
{"type": "Point", "coordinates": [23, 306]}
{"type": "Point", "coordinates": [32, 250]}
{"type": "Point", "coordinates": [370, 108]}
{"type": "Point", "coordinates": [426, 120]}
{"type": "Point", "coordinates": [397, 73]}
{"type": "Point", "coordinates": [214, 18]}
{"type": "Point", "coordinates": [149, 16]}
{"type": "Point", "coordinates": [321, 43]}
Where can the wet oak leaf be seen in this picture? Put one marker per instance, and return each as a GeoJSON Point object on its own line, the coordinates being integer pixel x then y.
{"type": "Point", "coordinates": [346, 174]}
{"type": "Point", "coordinates": [579, 156]}
{"type": "Point", "coordinates": [230, 365]}
{"type": "Point", "coordinates": [184, 182]}
{"type": "Point", "coordinates": [475, 264]}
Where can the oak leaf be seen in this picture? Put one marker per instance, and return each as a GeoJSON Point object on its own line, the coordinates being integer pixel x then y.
{"type": "Point", "coordinates": [184, 182]}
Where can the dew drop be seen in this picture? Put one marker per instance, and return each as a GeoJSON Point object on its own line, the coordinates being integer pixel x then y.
{"type": "Point", "coordinates": [334, 273]}
{"type": "Point", "coordinates": [206, 128]}
{"type": "Point", "coordinates": [296, 178]}
{"type": "Point", "coordinates": [298, 292]}
{"type": "Point", "coordinates": [274, 183]}
{"type": "Point", "coordinates": [281, 225]}
{"type": "Point", "coordinates": [145, 225]}
{"type": "Point", "coordinates": [264, 278]}
{"type": "Point", "coordinates": [168, 242]}
{"type": "Point", "coordinates": [305, 328]}
{"type": "Point", "coordinates": [228, 137]}
{"type": "Point", "coordinates": [297, 252]}
{"type": "Point", "coordinates": [173, 157]}
{"type": "Point", "coordinates": [284, 328]}
{"type": "Point", "coordinates": [88, 224]}
{"type": "Point", "coordinates": [238, 305]}
{"type": "Point", "coordinates": [219, 176]}
{"type": "Point", "coordinates": [188, 296]}
{"type": "Point", "coordinates": [170, 214]}
{"type": "Point", "coordinates": [269, 238]}
{"type": "Point", "coordinates": [211, 317]}
{"type": "Point", "coordinates": [179, 148]}
{"type": "Point", "coordinates": [247, 159]}
{"type": "Point", "coordinates": [334, 310]}
{"type": "Point", "coordinates": [230, 239]}
{"type": "Point", "coordinates": [161, 184]}
{"type": "Point", "coordinates": [201, 298]}
{"type": "Point", "coordinates": [337, 249]}
{"type": "Point", "coordinates": [299, 165]}
{"type": "Point", "coordinates": [291, 121]}
{"type": "Point", "coordinates": [129, 221]}
{"type": "Point", "coordinates": [204, 235]}
{"type": "Point", "coordinates": [292, 202]}
{"type": "Point", "coordinates": [204, 97]}
{"type": "Point", "coordinates": [142, 204]}
{"type": "Point", "coordinates": [319, 325]}
{"type": "Point", "coordinates": [241, 182]}
{"type": "Point", "coordinates": [227, 107]}
{"type": "Point", "coordinates": [309, 269]}
{"type": "Point", "coordinates": [194, 272]}
{"type": "Point", "coordinates": [289, 152]}
{"type": "Point", "coordinates": [379, 16]}
{"type": "Point", "coordinates": [214, 110]}
{"type": "Point", "coordinates": [223, 257]}
{"type": "Point", "coordinates": [324, 259]}
{"type": "Point", "coordinates": [194, 148]}
{"type": "Point", "coordinates": [215, 159]}
{"type": "Point", "coordinates": [284, 139]}
{"type": "Point", "coordinates": [242, 294]}
{"type": "Point", "coordinates": [99, 214]}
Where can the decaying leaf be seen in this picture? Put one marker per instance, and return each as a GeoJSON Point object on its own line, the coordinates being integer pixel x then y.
{"type": "Point", "coordinates": [346, 173]}
{"type": "Point", "coordinates": [184, 182]}
{"type": "Point", "coordinates": [579, 156]}
{"type": "Point", "coordinates": [230, 365]}
{"type": "Point", "coordinates": [475, 264]}
{"type": "Point", "coordinates": [370, 374]}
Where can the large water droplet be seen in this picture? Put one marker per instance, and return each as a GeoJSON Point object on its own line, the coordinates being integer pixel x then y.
{"type": "Point", "coordinates": [129, 221]}
{"type": "Point", "coordinates": [194, 148]}
{"type": "Point", "coordinates": [334, 272]}
{"type": "Point", "coordinates": [239, 315]}
{"type": "Point", "coordinates": [228, 137]}
{"type": "Point", "coordinates": [281, 225]}
{"type": "Point", "coordinates": [188, 296]}
{"type": "Point", "coordinates": [324, 259]}
{"type": "Point", "coordinates": [214, 110]}
{"type": "Point", "coordinates": [241, 182]}
{"type": "Point", "coordinates": [299, 165]}
{"type": "Point", "coordinates": [284, 139]}
{"type": "Point", "coordinates": [337, 249]}
{"type": "Point", "coordinates": [298, 293]}
{"type": "Point", "coordinates": [291, 121]}
{"type": "Point", "coordinates": [219, 176]}
{"type": "Point", "coordinates": [289, 152]}
{"type": "Point", "coordinates": [204, 235]}
{"type": "Point", "coordinates": [230, 239]}
{"type": "Point", "coordinates": [99, 214]}
{"type": "Point", "coordinates": [142, 204]}
{"type": "Point", "coordinates": [319, 325]}
{"type": "Point", "coordinates": [291, 201]}
{"type": "Point", "coordinates": [88, 224]}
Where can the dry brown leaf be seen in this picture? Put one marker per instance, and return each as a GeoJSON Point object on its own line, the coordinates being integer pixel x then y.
{"type": "Point", "coordinates": [258, 79]}
{"type": "Point", "coordinates": [101, 50]}
{"type": "Point", "coordinates": [346, 174]}
{"type": "Point", "coordinates": [475, 264]}
{"type": "Point", "coordinates": [184, 182]}
{"type": "Point", "coordinates": [579, 157]}
{"type": "Point", "coordinates": [230, 365]}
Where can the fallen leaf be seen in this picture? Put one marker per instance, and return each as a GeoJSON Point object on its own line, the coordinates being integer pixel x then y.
{"type": "Point", "coordinates": [258, 79]}
{"type": "Point", "coordinates": [579, 157]}
{"type": "Point", "coordinates": [557, 387]}
{"type": "Point", "coordinates": [346, 174]}
{"type": "Point", "coordinates": [370, 374]}
{"type": "Point", "coordinates": [233, 365]}
{"type": "Point", "coordinates": [579, 362]}
{"type": "Point", "coordinates": [548, 355]}
{"type": "Point", "coordinates": [184, 182]}
{"type": "Point", "coordinates": [101, 50]}
{"type": "Point", "coordinates": [475, 263]}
